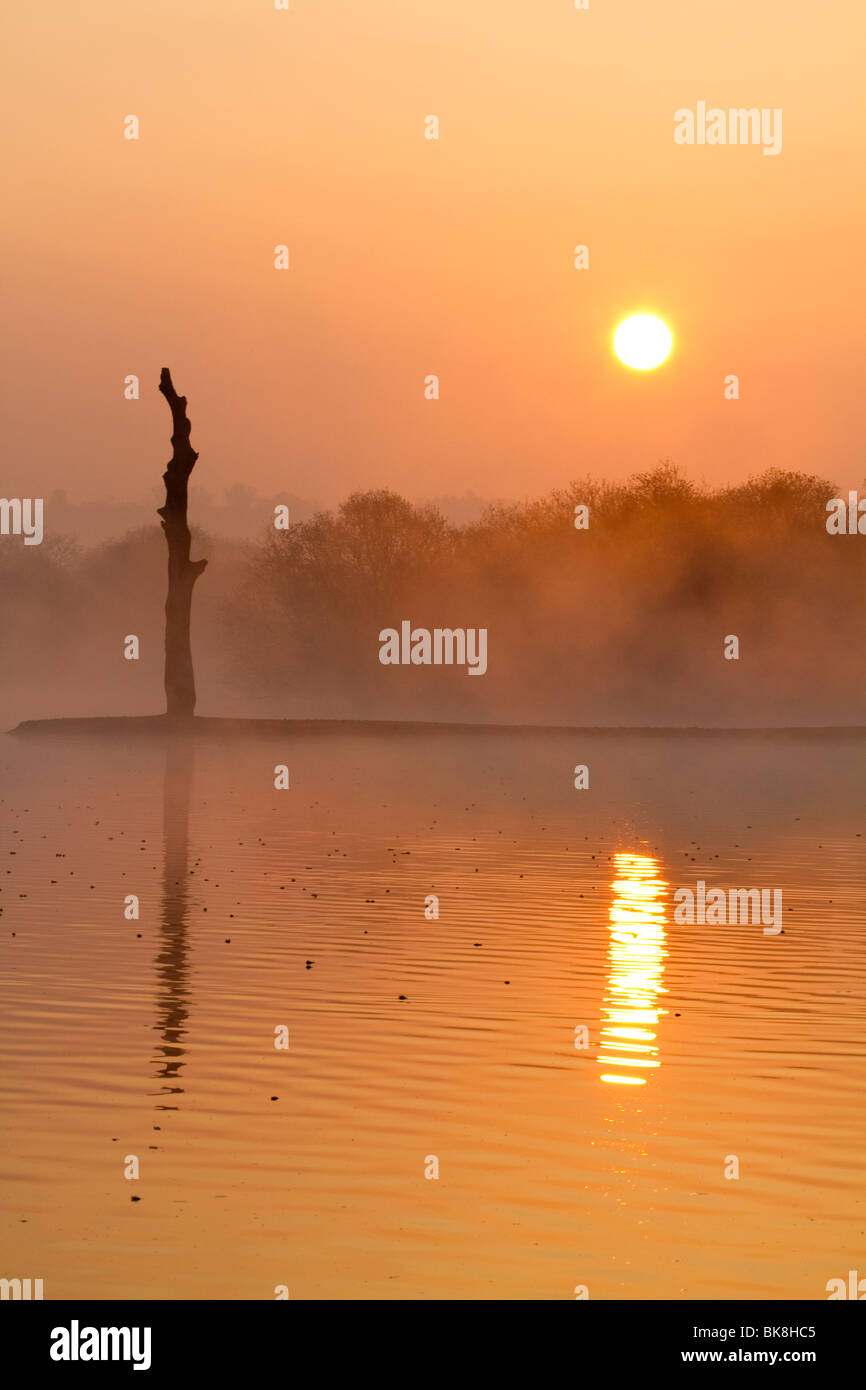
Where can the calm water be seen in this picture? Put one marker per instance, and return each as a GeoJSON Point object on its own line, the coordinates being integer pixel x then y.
{"type": "Point", "coordinates": [558, 1166]}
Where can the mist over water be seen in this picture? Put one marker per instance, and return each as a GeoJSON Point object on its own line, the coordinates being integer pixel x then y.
{"type": "Point", "coordinates": [624, 622]}
{"type": "Point", "coordinates": [581, 1064]}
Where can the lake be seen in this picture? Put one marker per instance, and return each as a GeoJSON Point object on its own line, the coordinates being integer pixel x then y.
{"type": "Point", "coordinates": [551, 1086]}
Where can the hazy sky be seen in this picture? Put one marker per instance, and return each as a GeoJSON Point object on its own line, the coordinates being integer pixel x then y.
{"type": "Point", "coordinates": [412, 256]}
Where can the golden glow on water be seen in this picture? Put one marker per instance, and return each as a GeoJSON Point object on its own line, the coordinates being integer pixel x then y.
{"type": "Point", "coordinates": [158, 1033]}
{"type": "Point", "coordinates": [636, 957]}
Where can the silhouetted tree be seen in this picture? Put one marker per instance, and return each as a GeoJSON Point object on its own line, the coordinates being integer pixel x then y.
{"type": "Point", "coordinates": [182, 572]}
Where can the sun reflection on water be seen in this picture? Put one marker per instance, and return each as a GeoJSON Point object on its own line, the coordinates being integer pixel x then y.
{"type": "Point", "coordinates": [636, 956]}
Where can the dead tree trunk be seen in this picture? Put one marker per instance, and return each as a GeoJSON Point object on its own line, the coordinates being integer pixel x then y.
{"type": "Point", "coordinates": [182, 572]}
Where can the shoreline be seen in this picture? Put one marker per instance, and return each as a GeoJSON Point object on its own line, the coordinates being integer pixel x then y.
{"type": "Point", "coordinates": [238, 727]}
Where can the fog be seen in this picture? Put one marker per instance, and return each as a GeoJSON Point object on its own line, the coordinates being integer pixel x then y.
{"type": "Point", "coordinates": [624, 622]}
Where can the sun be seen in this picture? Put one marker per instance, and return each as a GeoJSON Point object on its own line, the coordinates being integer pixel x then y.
{"type": "Point", "coordinates": [642, 341]}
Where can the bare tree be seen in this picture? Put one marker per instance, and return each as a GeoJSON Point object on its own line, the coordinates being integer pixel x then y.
{"type": "Point", "coordinates": [182, 572]}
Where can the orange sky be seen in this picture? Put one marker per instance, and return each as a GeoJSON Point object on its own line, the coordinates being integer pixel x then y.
{"type": "Point", "coordinates": [412, 256]}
